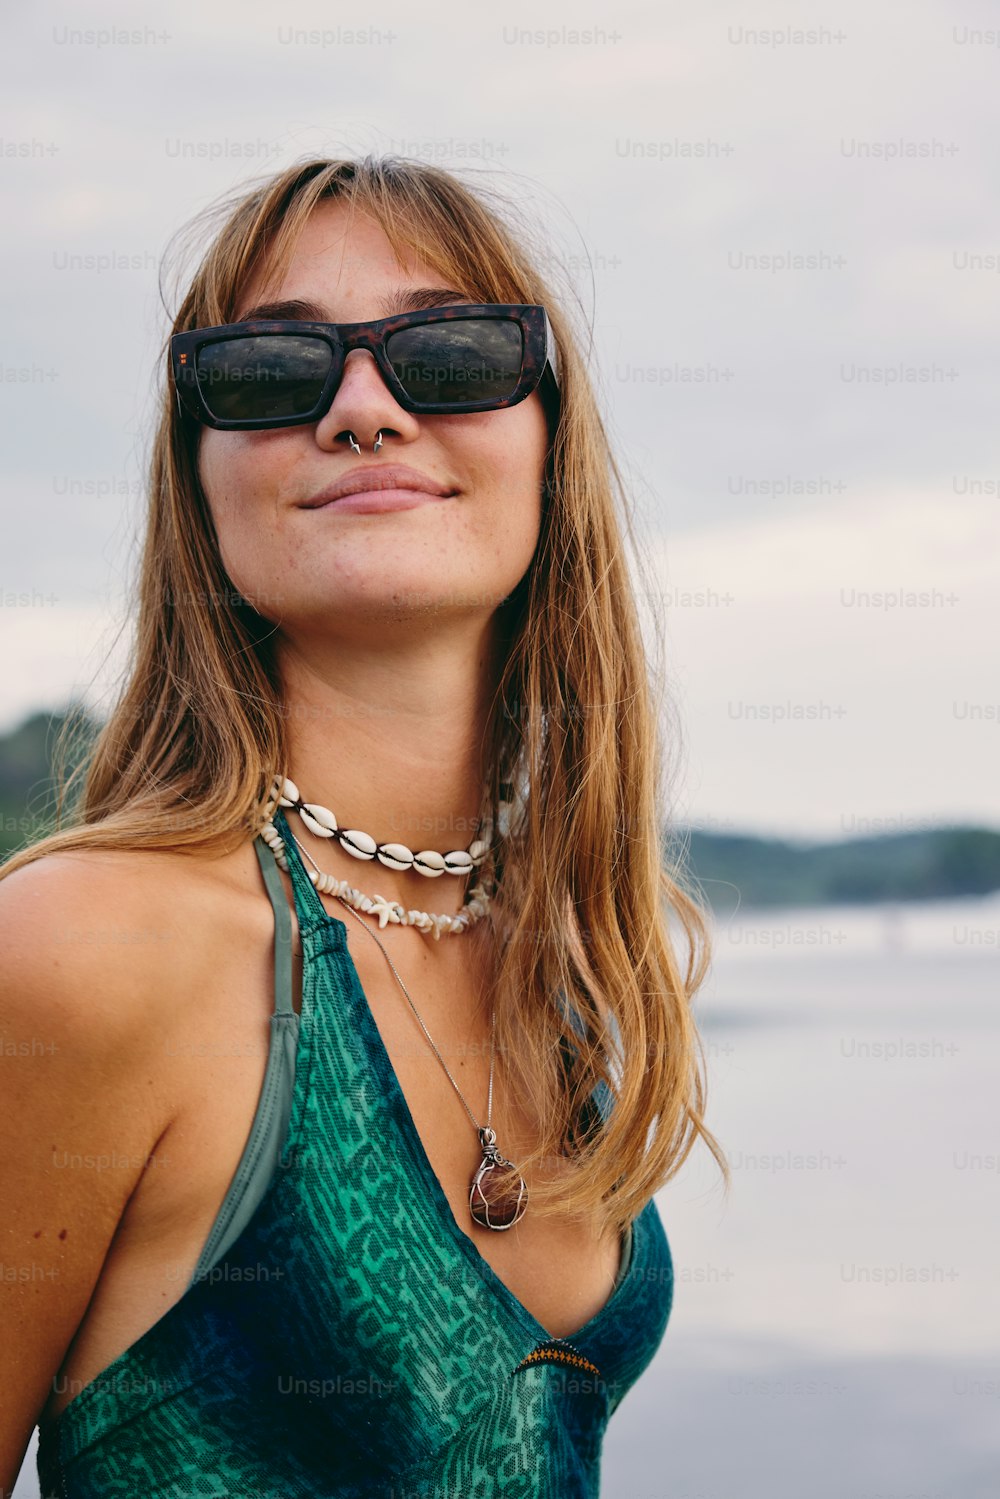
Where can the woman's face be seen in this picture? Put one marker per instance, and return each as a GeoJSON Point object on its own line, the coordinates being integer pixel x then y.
{"type": "Point", "coordinates": [337, 572]}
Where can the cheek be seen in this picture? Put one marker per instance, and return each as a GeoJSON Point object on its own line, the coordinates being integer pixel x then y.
{"type": "Point", "coordinates": [515, 453]}
{"type": "Point", "coordinates": [231, 482]}
{"type": "Point", "coordinates": [210, 476]}
{"type": "Point", "coordinates": [223, 469]}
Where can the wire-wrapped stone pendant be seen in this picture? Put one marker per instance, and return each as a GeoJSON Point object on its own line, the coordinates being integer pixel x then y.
{"type": "Point", "coordinates": [490, 1204]}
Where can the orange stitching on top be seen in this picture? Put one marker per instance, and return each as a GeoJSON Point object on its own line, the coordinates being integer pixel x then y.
{"type": "Point", "coordinates": [549, 1353]}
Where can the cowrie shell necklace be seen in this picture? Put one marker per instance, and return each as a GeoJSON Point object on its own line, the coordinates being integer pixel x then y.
{"type": "Point", "coordinates": [321, 821]}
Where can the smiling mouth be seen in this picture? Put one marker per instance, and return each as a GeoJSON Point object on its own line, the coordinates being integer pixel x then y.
{"type": "Point", "coordinates": [370, 501]}
{"type": "Point", "coordinates": [379, 478]}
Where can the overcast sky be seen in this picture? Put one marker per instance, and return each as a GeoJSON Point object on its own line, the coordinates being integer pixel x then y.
{"type": "Point", "coordinates": [782, 223]}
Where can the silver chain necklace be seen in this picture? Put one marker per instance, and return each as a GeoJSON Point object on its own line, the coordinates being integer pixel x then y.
{"type": "Point", "coordinates": [490, 1208]}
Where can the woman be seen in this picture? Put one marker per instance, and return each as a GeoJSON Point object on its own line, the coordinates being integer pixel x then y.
{"type": "Point", "coordinates": [329, 1186]}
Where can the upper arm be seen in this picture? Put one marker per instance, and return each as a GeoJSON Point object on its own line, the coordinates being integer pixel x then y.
{"type": "Point", "coordinates": [80, 1116]}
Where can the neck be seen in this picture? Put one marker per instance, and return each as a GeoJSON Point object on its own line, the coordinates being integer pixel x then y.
{"type": "Point", "coordinates": [392, 743]}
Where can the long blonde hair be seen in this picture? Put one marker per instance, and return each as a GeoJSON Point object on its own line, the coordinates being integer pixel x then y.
{"type": "Point", "coordinates": [584, 896]}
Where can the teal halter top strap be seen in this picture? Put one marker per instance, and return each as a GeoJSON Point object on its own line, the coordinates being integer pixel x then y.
{"type": "Point", "coordinates": [342, 1336]}
{"type": "Point", "coordinates": [267, 1133]}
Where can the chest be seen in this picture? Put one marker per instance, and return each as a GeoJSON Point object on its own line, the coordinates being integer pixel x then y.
{"type": "Point", "coordinates": [561, 1271]}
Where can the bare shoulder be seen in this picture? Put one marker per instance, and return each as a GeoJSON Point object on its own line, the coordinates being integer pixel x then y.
{"type": "Point", "coordinates": [128, 927]}
{"type": "Point", "coordinates": [105, 959]}
{"type": "Point", "coordinates": [91, 943]}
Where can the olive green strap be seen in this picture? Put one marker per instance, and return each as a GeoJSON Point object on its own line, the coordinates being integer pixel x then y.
{"type": "Point", "coordinates": [282, 930]}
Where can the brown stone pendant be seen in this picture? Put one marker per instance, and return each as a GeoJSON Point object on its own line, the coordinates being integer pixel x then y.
{"type": "Point", "coordinates": [490, 1206]}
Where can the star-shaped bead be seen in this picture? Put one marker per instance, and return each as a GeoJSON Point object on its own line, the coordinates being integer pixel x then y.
{"type": "Point", "coordinates": [385, 910]}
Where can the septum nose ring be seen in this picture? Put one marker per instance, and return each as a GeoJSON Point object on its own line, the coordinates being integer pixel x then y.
{"type": "Point", "coordinates": [356, 446]}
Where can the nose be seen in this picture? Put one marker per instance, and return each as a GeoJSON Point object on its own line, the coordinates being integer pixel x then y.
{"type": "Point", "coordinates": [364, 404]}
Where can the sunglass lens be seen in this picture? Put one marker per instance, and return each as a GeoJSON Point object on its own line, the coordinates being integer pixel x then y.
{"type": "Point", "coordinates": [263, 378]}
{"type": "Point", "coordinates": [458, 359]}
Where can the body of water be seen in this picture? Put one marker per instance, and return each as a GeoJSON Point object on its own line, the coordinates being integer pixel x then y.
{"type": "Point", "coordinates": [836, 1324]}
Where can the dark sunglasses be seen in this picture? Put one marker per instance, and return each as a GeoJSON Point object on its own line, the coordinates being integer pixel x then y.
{"type": "Point", "coordinates": [480, 357]}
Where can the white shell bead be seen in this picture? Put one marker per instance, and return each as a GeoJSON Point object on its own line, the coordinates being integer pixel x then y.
{"type": "Point", "coordinates": [458, 862]}
{"type": "Point", "coordinates": [322, 815]}
{"type": "Point", "coordinates": [477, 850]}
{"type": "Point", "coordinates": [314, 824]}
{"type": "Point", "coordinates": [395, 856]}
{"type": "Point", "coordinates": [289, 793]}
{"type": "Point", "coordinates": [361, 845]}
{"type": "Point", "coordinates": [429, 862]}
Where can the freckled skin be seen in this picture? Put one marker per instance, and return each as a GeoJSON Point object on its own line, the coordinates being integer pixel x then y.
{"type": "Point", "coordinates": [316, 571]}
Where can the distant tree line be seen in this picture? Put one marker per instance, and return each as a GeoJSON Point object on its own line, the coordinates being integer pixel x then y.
{"type": "Point", "coordinates": [726, 869]}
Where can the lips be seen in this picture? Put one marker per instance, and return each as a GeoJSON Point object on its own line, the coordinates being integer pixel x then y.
{"type": "Point", "coordinates": [377, 476]}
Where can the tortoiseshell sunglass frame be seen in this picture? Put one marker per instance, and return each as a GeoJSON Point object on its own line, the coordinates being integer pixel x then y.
{"type": "Point", "coordinates": [539, 364]}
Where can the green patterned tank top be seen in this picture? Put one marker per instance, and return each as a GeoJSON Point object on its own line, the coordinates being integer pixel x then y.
{"type": "Point", "coordinates": [341, 1336]}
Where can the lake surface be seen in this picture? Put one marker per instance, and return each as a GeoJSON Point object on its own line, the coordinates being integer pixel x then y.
{"type": "Point", "coordinates": [835, 1332]}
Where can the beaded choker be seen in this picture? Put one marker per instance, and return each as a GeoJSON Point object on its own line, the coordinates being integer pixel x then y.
{"type": "Point", "coordinates": [428, 862]}
{"type": "Point", "coordinates": [321, 821]}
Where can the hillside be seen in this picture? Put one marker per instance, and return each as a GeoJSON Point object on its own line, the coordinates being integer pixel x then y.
{"type": "Point", "coordinates": [730, 869]}
{"type": "Point", "coordinates": [931, 864]}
